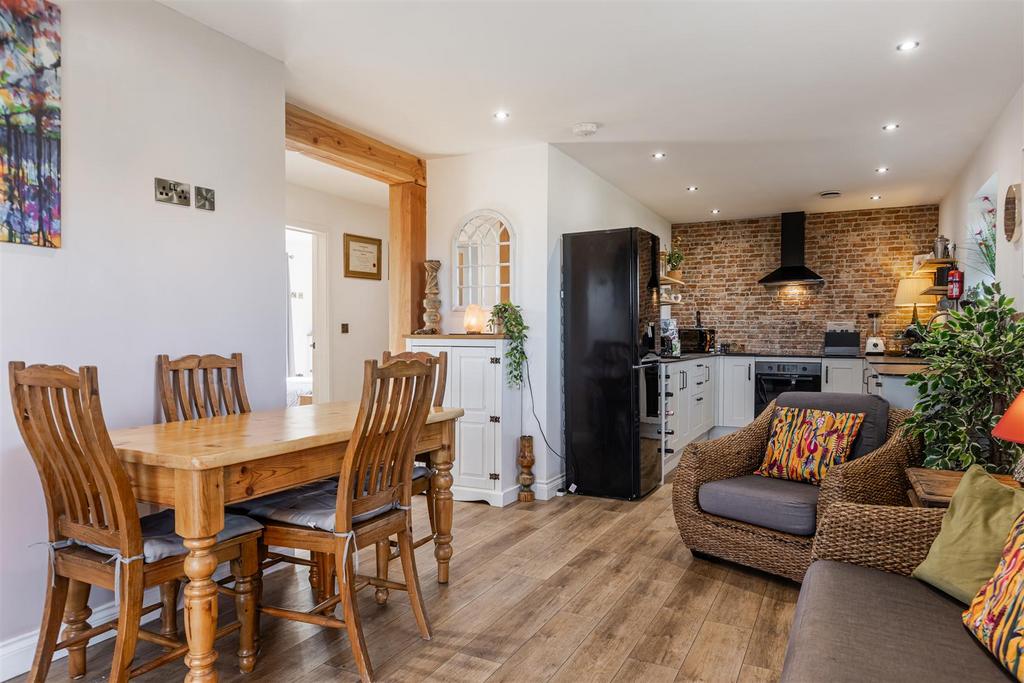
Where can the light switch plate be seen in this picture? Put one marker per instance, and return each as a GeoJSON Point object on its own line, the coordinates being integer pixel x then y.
{"type": "Point", "coordinates": [205, 198]}
{"type": "Point", "coordinates": [172, 192]}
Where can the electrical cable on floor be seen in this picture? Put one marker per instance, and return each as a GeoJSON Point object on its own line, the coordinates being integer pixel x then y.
{"type": "Point", "coordinates": [529, 386]}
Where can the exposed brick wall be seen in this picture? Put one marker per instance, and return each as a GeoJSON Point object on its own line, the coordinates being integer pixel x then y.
{"type": "Point", "coordinates": [861, 254]}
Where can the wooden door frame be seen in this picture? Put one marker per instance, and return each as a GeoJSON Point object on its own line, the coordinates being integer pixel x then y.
{"type": "Point", "coordinates": [406, 176]}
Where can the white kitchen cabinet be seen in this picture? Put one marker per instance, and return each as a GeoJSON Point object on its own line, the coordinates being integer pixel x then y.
{"type": "Point", "coordinates": [842, 375]}
{"type": "Point", "coordinates": [486, 437]}
{"type": "Point", "coordinates": [689, 402]}
{"type": "Point", "coordinates": [736, 391]}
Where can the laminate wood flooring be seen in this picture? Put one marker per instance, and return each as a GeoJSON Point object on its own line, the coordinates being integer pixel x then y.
{"type": "Point", "coordinates": [569, 589]}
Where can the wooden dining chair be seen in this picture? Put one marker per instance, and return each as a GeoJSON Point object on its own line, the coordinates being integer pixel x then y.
{"type": "Point", "coordinates": [370, 501]}
{"type": "Point", "coordinates": [196, 386]}
{"type": "Point", "coordinates": [96, 536]}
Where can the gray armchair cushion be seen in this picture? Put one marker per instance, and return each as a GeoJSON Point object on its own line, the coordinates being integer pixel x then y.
{"type": "Point", "coordinates": [872, 431]}
{"type": "Point", "coordinates": [855, 624]}
{"type": "Point", "coordinates": [779, 504]}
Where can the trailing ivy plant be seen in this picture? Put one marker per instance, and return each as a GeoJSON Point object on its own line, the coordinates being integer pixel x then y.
{"type": "Point", "coordinates": [510, 317]}
{"type": "Point", "coordinates": [975, 369]}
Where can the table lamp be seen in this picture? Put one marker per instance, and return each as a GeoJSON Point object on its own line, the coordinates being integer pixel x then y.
{"type": "Point", "coordinates": [1011, 428]}
{"type": "Point", "coordinates": [474, 319]}
{"type": "Point", "coordinates": [911, 292]}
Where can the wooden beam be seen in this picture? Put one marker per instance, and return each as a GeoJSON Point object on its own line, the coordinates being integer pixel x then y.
{"type": "Point", "coordinates": [407, 238]}
{"type": "Point", "coordinates": [331, 143]}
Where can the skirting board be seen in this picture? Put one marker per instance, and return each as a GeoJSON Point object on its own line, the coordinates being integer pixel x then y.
{"type": "Point", "coordinates": [495, 498]}
{"type": "Point", "coordinates": [16, 653]}
{"type": "Point", "coordinates": [546, 490]}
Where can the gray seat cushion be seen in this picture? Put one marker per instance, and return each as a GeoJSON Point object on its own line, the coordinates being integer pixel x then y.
{"type": "Point", "coordinates": [854, 624]}
{"type": "Point", "coordinates": [872, 431]}
{"type": "Point", "coordinates": [779, 504]}
{"type": "Point", "coordinates": [160, 542]}
{"type": "Point", "coordinates": [312, 505]}
{"type": "Point", "coordinates": [420, 471]}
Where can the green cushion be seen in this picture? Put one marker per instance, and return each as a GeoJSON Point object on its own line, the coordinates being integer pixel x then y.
{"type": "Point", "coordinates": [966, 552]}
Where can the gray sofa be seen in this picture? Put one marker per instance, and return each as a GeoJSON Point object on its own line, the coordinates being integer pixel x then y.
{"type": "Point", "coordinates": [861, 617]}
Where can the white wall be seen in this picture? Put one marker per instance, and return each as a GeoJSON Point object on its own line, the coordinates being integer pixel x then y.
{"type": "Point", "coordinates": [544, 194]}
{"type": "Point", "coordinates": [579, 200]}
{"type": "Point", "coordinates": [146, 92]}
{"type": "Point", "coordinates": [1000, 153]}
{"type": "Point", "coordinates": [363, 304]}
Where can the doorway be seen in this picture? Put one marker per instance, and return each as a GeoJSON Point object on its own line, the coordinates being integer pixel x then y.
{"type": "Point", "coordinates": [307, 353]}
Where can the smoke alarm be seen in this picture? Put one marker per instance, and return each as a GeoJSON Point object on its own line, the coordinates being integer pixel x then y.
{"type": "Point", "coordinates": [830, 194]}
{"type": "Point", "coordinates": [584, 130]}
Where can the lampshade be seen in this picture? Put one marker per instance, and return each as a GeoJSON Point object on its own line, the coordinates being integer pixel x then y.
{"type": "Point", "coordinates": [474, 319]}
{"type": "Point", "coordinates": [1011, 424]}
{"type": "Point", "coordinates": [911, 290]}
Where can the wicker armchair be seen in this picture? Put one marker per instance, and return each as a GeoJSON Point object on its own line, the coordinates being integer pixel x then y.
{"type": "Point", "coordinates": [878, 478]}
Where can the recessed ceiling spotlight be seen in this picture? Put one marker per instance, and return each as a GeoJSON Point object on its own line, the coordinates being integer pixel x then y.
{"type": "Point", "coordinates": [585, 129]}
{"type": "Point", "coordinates": [875, 197]}
{"type": "Point", "coordinates": [907, 46]}
{"type": "Point", "coordinates": [882, 169]}
{"type": "Point", "coordinates": [715, 211]}
{"type": "Point", "coordinates": [501, 115]}
{"type": "Point", "coordinates": [692, 188]}
{"type": "Point", "coordinates": [659, 155]}
{"type": "Point", "coordinates": [890, 126]}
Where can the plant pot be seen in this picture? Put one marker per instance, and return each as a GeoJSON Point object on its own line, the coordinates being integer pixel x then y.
{"type": "Point", "coordinates": [675, 274]}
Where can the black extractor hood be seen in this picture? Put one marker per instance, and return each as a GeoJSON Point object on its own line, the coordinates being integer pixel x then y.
{"type": "Point", "coordinates": [792, 271]}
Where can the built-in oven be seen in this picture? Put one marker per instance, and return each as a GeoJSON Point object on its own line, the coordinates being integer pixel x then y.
{"type": "Point", "coordinates": [772, 378]}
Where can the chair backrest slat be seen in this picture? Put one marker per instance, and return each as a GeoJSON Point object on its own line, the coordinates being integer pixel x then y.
{"type": "Point", "coordinates": [441, 379]}
{"type": "Point", "coordinates": [377, 468]}
{"type": "Point", "coordinates": [196, 386]}
{"type": "Point", "coordinates": [88, 493]}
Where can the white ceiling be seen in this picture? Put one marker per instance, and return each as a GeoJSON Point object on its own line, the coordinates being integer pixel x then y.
{"type": "Point", "coordinates": [316, 175]}
{"type": "Point", "coordinates": [761, 104]}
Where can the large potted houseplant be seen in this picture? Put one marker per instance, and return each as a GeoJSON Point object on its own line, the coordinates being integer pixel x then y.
{"type": "Point", "coordinates": [975, 369]}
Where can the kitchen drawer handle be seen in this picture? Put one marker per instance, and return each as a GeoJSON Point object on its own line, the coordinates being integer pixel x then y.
{"type": "Point", "coordinates": [748, 372]}
{"type": "Point", "coordinates": [669, 394]}
{"type": "Point", "coordinates": [826, 374]}
{"type": "Point", "coordinates": [667, 432]}
{"type": "Point", "coordinates": [666, 450]}
{"type": "Point", "coordinates": [699, 384]}
{"type": "Point", "coordinates": [699, 399]}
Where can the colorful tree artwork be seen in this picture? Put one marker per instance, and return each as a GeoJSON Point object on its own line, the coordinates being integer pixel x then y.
{"type": "Point", "coordinates": [30, 126]}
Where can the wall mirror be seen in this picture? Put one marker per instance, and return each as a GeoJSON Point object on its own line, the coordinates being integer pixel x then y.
{"type": "Point", "coordinates": [1011, 213]}
{"type": "Point", "coordinates": [482, 253]}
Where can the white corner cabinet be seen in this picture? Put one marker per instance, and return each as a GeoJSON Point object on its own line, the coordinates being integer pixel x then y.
{"type": "Point", "coordinates": [487, 436]}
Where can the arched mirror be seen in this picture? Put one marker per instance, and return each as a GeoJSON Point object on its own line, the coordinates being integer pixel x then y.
{"type": "Point", "coordinates": [482, 254]}
{"type": "Point", "coordinates": [1011, 213]}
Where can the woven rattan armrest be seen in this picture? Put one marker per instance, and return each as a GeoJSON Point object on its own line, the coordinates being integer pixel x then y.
{"type": "Point", "coordinates": [878, 478]}
{"type": "Point", "coordinates": [890, 538]}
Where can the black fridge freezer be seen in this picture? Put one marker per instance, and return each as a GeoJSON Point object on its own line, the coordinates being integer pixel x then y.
{"type": "Point", "coordinates": [610, 368]}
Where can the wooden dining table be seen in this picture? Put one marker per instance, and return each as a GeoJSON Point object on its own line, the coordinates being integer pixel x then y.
{"type": "Point", "coordinates": [199, 466]}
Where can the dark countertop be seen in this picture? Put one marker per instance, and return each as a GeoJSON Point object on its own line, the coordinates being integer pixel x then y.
{"type": "Point", "coordinates": [693, 356]}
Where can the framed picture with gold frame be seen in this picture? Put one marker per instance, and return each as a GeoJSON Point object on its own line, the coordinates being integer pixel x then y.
{"type": "Point", "coordinates": [362, 257]}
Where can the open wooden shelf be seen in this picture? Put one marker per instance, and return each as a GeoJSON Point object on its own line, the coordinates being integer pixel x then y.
{"type": "Point", "coordinates": [666, 280]}
{"type": "Point", "coordinates": [931, 265]}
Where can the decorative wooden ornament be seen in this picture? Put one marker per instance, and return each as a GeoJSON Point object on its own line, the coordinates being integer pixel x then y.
{"type": "Point", "coordinates": [526, 461]}
{"type": "Point", "coordinates": [431, 300]}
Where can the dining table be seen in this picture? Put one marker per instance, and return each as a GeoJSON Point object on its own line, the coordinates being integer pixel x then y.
{"type": "Point", "coordinates": [199, 466]}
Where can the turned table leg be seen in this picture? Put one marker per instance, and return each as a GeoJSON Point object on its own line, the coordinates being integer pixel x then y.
{"type": "Point", "coordinates": [441, 462]}
{"type": "Point", "coordinates": [199, 515]}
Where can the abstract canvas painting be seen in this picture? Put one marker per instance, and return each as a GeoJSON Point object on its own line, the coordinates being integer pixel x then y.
{"type": "Point", "coordinates": [30, 125]}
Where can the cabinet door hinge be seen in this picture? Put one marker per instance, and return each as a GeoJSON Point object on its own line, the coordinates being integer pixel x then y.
{"type": "Point", "coordinates": [495, 418]}
{"type": "Point", "coordinates": [495, 361]}
{"type": "Point", "coordinates": [494, 476]}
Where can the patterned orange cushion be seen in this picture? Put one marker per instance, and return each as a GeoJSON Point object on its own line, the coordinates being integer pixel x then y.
{"type": "Point", "coordinates": [996, 616]}
{"type": "Point", "coordinates": [806, 442]}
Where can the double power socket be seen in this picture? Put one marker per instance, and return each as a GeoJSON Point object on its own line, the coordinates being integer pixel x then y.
{"type": "Point", "coordinates": [180, 194]}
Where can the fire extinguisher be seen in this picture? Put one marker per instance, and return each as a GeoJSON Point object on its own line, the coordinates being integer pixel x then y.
{"type": "Point", "coordinates": [955, 284]}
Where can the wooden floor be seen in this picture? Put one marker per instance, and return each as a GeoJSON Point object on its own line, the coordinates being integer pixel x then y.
{"type": "Point", "coordinates": [572, 589]}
